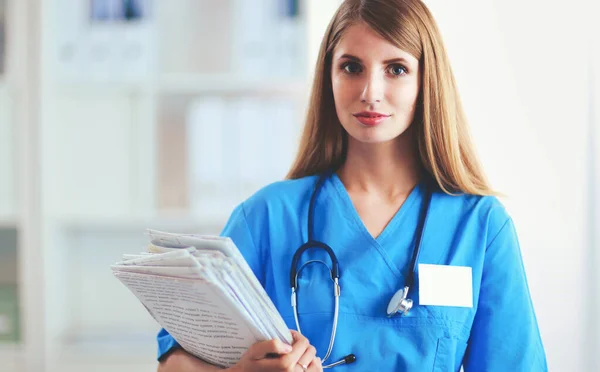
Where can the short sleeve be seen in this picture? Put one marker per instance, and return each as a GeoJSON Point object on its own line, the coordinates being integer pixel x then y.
{"type": "Point", "coordinates": [505, 334]}
{"type": "Point", "coordinates": [236, 229]}
{"type": "Point", "coordinates": [166, 343]}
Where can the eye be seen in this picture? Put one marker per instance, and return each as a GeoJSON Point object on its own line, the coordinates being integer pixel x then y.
{"type": "Point", "coordinates": [351, 68]}
{"type": "Point", "coordinates": [397, 70]}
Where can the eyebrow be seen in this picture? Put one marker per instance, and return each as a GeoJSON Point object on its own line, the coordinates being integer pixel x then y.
{"type": "Point", "coordinates": [356, 59]}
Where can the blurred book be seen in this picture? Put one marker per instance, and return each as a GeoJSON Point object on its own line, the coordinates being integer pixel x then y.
{"type": "Point", "coordinates": [118, 10]}
{"type": "Point", "coordinates": [268, 38]}
{"type": "Point", "coordinates": [2, 36]}
{"type": "Point", "coordinates": [201, 290]}
{"type": "Point", "coordinates": [235, 146]}
{"type": "Point", "coordinates": [207, 165]}
{"type": "Point", "coordinates": [9, 289]}
{"type": "Point", "coordinates": [9, 313]}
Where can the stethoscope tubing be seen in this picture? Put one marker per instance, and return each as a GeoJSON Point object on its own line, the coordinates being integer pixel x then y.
{"type": "Point", "coordinates": [334, 270]}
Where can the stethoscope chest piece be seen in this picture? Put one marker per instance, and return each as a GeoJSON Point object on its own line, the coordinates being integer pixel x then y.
{"type": "Point", "coordinates": [399, 303]}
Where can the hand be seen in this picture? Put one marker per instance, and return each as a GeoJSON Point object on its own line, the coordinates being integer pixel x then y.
{"type": "Point", "coordinates": [289, 358]}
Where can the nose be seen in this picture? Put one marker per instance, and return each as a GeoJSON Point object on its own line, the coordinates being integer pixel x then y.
{"type": "Point", "coordinates": [373, 89]}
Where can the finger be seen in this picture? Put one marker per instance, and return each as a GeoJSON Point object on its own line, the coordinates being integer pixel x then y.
{"type": "Point", "coordinates": [262, 349]}
{"type": "Point", "coordinates": [295, 335]}
{"type": "Point", "coordinates": [309, 355]}
{"type": "Point", "coordinates": [298, 348]}
{"type": "Point", "coordinates": [298, 338]}
{"type": "Point", "coordinates": [316, 365]}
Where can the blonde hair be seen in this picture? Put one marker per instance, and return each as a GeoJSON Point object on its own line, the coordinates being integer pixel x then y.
{"type": "Point", "coordinates": [441, 129]}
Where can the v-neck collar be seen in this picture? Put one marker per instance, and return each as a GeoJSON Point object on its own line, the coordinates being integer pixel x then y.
{"type": "Point", "coordinates": [399, 216]}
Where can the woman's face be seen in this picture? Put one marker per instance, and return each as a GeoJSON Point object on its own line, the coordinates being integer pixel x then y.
{"type": "Point", "coordinates": [375, 85]}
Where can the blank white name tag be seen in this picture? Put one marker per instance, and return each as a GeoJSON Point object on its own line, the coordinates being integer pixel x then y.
{"type": "Point", "coordinates": [443, 285]}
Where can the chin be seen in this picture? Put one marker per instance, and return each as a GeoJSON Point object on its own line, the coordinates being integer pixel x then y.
{"type": "Point", "coordinates": [373, 138]}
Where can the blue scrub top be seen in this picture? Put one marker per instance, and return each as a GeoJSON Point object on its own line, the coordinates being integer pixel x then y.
{"type": "Point", "coordinates": [500, 332]}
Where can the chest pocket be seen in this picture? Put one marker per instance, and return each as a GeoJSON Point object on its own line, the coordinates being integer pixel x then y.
{"type": "Point", "coordinates": [411, 345]}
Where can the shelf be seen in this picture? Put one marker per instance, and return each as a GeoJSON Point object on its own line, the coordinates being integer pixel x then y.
{"type": "Point", "coordinates": [210, 84]}
{"type": "Point", "coordinates": [11, 357]}
{"type": "Point", "coordinates": [9, 222]}
{"type": "Point", "coordinates": [91, 87]}
{"type": "Point", "coordinates": [116, 345]}
{"type": "Point", "coordinates": [193, 84]}
{"type": "Point", "coordinates": [109, 354]}
{"type": "Point", "coordinates": [172, 221]}
{"type": "Point", "coordinates": [10, 350]}
{"type": "Point", "coordinates": [102, 351]}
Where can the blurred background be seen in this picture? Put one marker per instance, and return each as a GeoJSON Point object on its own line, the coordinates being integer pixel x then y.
{"type": "Point", "coordinates": [118, 115]}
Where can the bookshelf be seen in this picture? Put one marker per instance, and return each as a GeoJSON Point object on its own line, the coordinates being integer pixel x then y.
{"type": "Point", "coordinates": [12, 347]}
{"type": "Point", "coordinates": [174, 83]}
{"type": "Point", "coordinates": [101, 152]}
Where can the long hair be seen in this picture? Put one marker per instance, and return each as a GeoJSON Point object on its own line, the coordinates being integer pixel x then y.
{"type": "Point", "coordinates": [443, 140]}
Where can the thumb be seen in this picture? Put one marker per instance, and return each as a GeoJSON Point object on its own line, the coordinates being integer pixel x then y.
{"type": "Point", "coordinates": [297, 336]}
{"type": "Point", "coordinates": [270, 348]}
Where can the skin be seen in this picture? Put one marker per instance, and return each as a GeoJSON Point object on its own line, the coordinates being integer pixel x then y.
{"type": "Point", "coordinates": [381, 168]}
{"type": "Point", "coordinates": [371, 74]}
{"type": "Point", "coordinates": [258, 358]}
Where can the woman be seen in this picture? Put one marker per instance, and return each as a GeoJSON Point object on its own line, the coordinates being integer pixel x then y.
{"type": "Point", "coordinates": [402, 201]}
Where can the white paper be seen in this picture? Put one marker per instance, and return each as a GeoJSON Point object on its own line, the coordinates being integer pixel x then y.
{"type": "Point", "coordinates": [128, 256]}
{"type": "Point", "coordinates": [168, 271]}
{"type": "Point", "coordinates": [207, 274]}
{"type": "Point", "coordinates": [195, 315]}
{"type": "Point", "coordinates": [444, 285]}
{"type": "Point", "coordinates": [226, 246]}
{"type": "Point", "coordinates": [181, 257]}
{"type": "Point", "coordinates": [162, 247]}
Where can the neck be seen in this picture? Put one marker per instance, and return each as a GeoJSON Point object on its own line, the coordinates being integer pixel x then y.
{"type": "Point", "coordinates": [391, 169]}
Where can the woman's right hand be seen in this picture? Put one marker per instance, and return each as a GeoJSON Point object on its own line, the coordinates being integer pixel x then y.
{"type": "Point", "coordinates": [289, 358]}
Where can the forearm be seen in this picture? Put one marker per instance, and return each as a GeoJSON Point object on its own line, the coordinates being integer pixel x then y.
{"type": "Point", "coordinates": [180, 361]}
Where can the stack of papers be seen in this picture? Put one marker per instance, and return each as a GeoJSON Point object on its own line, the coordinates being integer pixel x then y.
{"type": "Point", "coordinates": [202, 291]}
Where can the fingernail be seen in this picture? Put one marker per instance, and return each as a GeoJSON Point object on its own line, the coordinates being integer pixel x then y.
{"type": "Point", "coordinates": [287, 348]}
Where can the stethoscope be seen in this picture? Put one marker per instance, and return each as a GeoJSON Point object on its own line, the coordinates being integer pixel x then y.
{"type": "Point", "coordinates": [399, 304]}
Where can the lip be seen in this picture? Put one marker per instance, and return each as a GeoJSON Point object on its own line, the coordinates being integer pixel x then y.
{"type": "Point", "coordinates": [370, 118]}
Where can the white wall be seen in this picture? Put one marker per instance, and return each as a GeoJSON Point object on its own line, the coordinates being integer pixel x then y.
{"type": "Point", "coordinates": [594, 224]}
{"type": "Point", "coordinates": [522, 70]}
